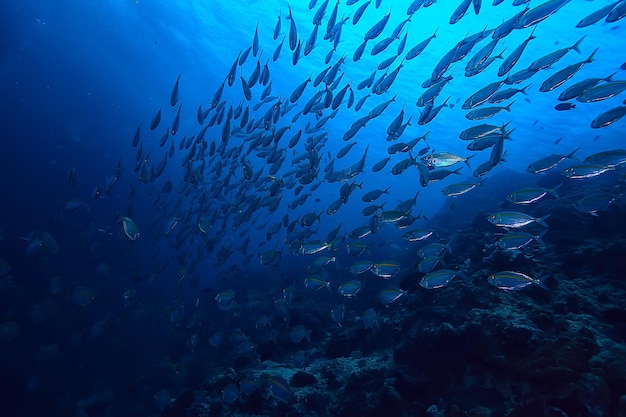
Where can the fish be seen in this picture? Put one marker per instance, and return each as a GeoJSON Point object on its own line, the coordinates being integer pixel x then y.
{"type": "Point", "coordinates": [350, 289]}
{"type": "Point", "coordinates": [517, 240]}
{"type": "Point", "coordinates": [313, 247]}
{"type": "Point", "coordinates": [596, 16]}
{"type": "Point", "coordinates": [553, 57]}
{"type": "Point", "coordinates": [512, 59]}
{"type": "Point", "coordinates": [440, 278]}
{"type": "Point", "coordinates": [360, 267]}
{"type": "Point", "coordinates": [602, 91]}
{"type": "Point", "coordinates": [515, 219]}
{"type": "Point", "coordinates": [580, 87]}
{"type": "Point", "coordinates": [130, 228]}
{"type": "Point", "coordinates": [390, 295]}
{"type": "Point", "coordinates": [586, 171]}
{"type": "Point", "coordinates": [507, 26]}
{"type": "Point", "coordinates": [359, 12]}
{"type": "Point", "coordinates": [293, 31]}
{"type": "Point", "coordinates": [315, 283]}
{"type": "Point", "coordinates": [539, 13]}
{"type": "Point", "coordinates": [565, 106]}
{"type": "Point", "coordinates": [371, 319]}
{"type": "Point", "coordinates": [618, 12]}
{"type": "Point", "coordinates": [460, 11]}
{"type": "Point", "coordinates": [417, 235]}
{"type": "Point", "coordinates": [428, 264]}
{"type": "Point", "coordinates": [374, 31]}
{"type": "Point", "coordinates": [482, 95]}
{"type": "Point", "coordinates": [230, 393]}
{"type": "Point", "coordinates": [337, 314]}
{"type": "Point", "coordinates": [594, 203]}
{"type": "Point", "coordinates": [374, 195]}
{"type": "Point", "coordinates": [608, 117]}
{"type": "Point", "coordinates": [549, 162]}
{"type": "Point", "coordinates": [298, 333]}
{"type": "Point", "coordinates": [461, 188]}
{"type": "Point", "coordinates": [155, 120]}
{"type": "Point", "coordinates": [559, 77]}
{"type": "Point", "coordinates": [386, 269]}
{"type": "Point", "coordinates": [419, 48]}
{"type": "Point", "coordinates": [531, 195]}
{"type": "Point", "coordinates": [487, 112]}
{"type": "Point", "coordinates": [277, 28]}
{"type": "Point", "coordinates": [613, 157]}
{"type": "Point", "coordinates": [444, 159]}
{"type": "Point", "coordinates": [174, 95]}
{"type": "Point", "coordinates": [513, 281]}
{"type": "Point", "coordinates": [279, 387]}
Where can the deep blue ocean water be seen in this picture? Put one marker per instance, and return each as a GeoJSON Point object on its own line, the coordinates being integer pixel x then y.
{"type": "Point", "coordinates": [97, 324]}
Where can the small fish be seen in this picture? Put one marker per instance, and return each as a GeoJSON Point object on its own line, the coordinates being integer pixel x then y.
{"type": "Point", "coordinates": [596, 16]}
{"type": "Point", "coordinates": [440, 278]}
{"type": "Point", "coordinates": [518, 240]}
{"type": "Point", "coordinates": [374, 195]}
{"type": "Point", "coordinates": [565, 106]}
{"type": "Point", "coordinates": [531, 194]}
{"type": "Point", "coordinates": [386, 269]}
{"type": "Point", "coordinates": [482, 95]}
{"type": "Point", "coordinates": [315, 283]}
{"type": "Point", "coordinates": [515, 219]}
{"type": "Point", "coordinates": [174, 95]}
{"type": "Point", "coordinates": [549, 162]}
{"type": "Point", "coordinates": [594, 203]}
{"type": "Point", "coordinates": [155, 120]}
{"type": "Point", "coordinates": [417, 235]}
{"type": "Point", "coordinates": [230, 393]}
{"type": "Point", "coordinates": [350, 288]}
{"type": "Point", "coordinates": [602, 91]}
{"type": "Point", "coordinates": [512, 281]}
{"type": "Point", "coordinates": [390, 295]}
{"type": "Point", "coordinates": [559, 77]}
{"type": "Point", "coordinates": [612, 157]}
{"type": "Point", "coordinates": [454, 190]}
{"type": "Point", "coordinates": [298, 333]}
{"type": "Point", "coordinates": [539, 13]}
{"type": "Point", "coordinates": [130, 228]}
{"type": "Point", "coordinates": [313, 247]}
{"type": "Point", "coordinates": [609, 117]}
{"type": "Point", "coordinates": [371, 319]}
{"type": "Point", "coordinates": [360, 267]}
{"type": "Point", "coordinates": [586, 171]}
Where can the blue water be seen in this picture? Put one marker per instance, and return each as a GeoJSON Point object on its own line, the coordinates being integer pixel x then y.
{"type": "Point", "coordinates": [78, 77]}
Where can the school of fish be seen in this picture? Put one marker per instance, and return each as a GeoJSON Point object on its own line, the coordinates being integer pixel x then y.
{"type": "Point", "coordinates": [255, 156]}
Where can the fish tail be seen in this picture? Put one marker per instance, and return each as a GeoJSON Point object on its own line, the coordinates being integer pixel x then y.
{"type": "Point", "coordinates": [555, 189]}
{"type": "Point", "coordinates": [541, 282]}
{"type": "Point", "coordinates": [575, 47]}
{"type": "Point", "coordinates": [590, 59]}
{"type": "Point", "coordinates": [539, 238]}
{"type": "Point", "coordinates": [542, 220]}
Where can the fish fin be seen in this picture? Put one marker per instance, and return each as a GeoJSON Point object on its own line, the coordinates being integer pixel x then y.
{"type": "Point", "coordinates": [542, 220]}
{"type": "Point", "coordinates": [610, 77]}
{"type": "Point", "coordinates": [571, 154]}
{"type": "Point", "coordinates": [470, 157]}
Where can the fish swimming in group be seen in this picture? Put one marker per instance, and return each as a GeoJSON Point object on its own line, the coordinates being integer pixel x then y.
{"type": "Point", "coordinates": [305, 172]}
